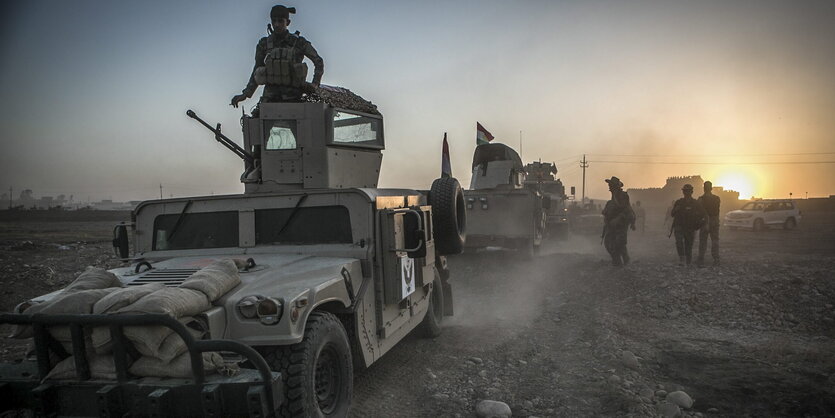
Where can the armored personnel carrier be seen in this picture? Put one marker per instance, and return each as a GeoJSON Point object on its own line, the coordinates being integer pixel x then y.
{"type": "Point", "coordinates": [501, 210]}
{"type": "Point", "coordinates": [541, 177]}
{"type": "Point", "coordinates": [337, 272]}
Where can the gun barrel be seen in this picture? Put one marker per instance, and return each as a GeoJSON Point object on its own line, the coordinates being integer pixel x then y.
{"type": "Point", "coordinates": [223, 139]}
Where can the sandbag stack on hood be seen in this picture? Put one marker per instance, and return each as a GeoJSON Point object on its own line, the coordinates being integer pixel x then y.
{"type": "Point", "coordinates": [163, 351]}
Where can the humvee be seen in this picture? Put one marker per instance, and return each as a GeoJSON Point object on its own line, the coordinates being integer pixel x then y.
{"type": "Point", "coordinates": [338, 272]}
{"type": "Point", "coordinates": [542, 178]}
{"type": "Point", "coordinates": [501, 210]}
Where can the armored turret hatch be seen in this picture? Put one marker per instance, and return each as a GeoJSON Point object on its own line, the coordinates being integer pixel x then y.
{"type": "Point", "coordinates": [333, 140]}
{"type": "Point", "coordinates": [496, 166]}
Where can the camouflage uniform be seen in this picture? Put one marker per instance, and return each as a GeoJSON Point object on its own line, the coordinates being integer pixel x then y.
{"type": "Point", "coordinates": [710, 203]}
{"type": "Point", "coordinates": [617, 217]}
{"type": "Point", "coordinates": [303, 48]}
{"type": "Point", "coordinates": [688, 216]}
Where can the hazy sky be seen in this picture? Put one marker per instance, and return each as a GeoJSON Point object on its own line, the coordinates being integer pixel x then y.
{"type": "Point", "coordinates": [94, 93]}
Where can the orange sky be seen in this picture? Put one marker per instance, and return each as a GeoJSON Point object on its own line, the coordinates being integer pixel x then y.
{"type": "Point", "coordinates": [728, 85]}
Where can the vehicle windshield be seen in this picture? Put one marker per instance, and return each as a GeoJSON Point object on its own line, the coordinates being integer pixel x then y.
{"type": "Point", "coordinates": [351, 129]}
{"type": "Point", "coordinates": [196, 230]}
{"type": "Point", "coordinates": [308, 225]}
{"type": "Point", "coordinates": [753, 206]}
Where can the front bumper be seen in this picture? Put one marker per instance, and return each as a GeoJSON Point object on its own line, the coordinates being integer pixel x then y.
{"type": "Point", "coordinates": [250, 392]}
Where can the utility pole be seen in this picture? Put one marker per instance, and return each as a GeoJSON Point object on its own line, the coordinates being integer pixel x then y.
{"type": "Point", "coordinates": [160, 190]}
{"type": "Point", "coordinates": [520, 145]}
{"type": "Point", "coordinates": [10, 196]}
{"type": "Point", "coordinates": [584, 165]}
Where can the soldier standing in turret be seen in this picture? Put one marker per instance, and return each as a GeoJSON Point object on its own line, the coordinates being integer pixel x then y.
{"type": "Point", "coordinates": [688, 216]}
{"type": "Point", "coordinates": [278, 63]}
{"type": "Point", "coordinates": [617, 218]}
{"type": "Point", "coordinates": [710, 203]}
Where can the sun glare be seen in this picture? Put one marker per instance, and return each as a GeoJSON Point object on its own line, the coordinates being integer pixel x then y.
{"type": "Point", "coordinates": [737, 181]}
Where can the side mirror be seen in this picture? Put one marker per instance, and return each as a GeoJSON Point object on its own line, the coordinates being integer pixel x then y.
{"type": "Point", "coordinates": [414, 237]}
{"type": "Point", "coordinates": [573, 191]}
{"type": "Point", "coordinates": [120, 241]}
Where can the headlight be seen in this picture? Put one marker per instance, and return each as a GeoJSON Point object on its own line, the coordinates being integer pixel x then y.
{"type": "Point", "coordinates": [267, 310]}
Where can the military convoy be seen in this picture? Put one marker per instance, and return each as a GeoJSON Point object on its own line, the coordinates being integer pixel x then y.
{"type": "Point", "coordinates": [337, 272]}
{"type": "Point", "coordinates": [541, 177]}
{"type": "Point", "coordinates": [502, 211]}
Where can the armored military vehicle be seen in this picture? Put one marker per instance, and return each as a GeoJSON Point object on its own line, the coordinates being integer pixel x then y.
{"type": "Point", "coordinates": [541, 177]}
{"type": "Point", "coordinates": [501, 210]}
{"type": "Point", "coordinates": [338, 271]}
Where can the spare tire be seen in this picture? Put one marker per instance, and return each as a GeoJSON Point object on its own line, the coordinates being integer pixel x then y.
{"type": "Point", "coordinates": [449, 215]}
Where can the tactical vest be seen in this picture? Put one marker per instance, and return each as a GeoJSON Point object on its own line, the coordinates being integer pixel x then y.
{"type": "Point", "coordinates": [280, 67]}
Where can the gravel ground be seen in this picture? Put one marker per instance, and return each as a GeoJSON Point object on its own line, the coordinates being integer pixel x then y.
{"type": "Point", "coordinates": [568, 335]}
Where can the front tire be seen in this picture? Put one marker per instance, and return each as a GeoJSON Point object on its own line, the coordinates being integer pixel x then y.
{"type": "Point", "coordinates": [758, 225]}
{"type": "Point", "coordinates": [431, 325]}
{"type": "Point", "coordinates": [318, 372]}
{"type": "Point", "coordinates": [790, 224]}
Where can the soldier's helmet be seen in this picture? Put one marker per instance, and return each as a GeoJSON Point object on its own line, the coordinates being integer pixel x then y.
{"type": "Point", "coordinates": [279, 12]}
{"type": "Point", "coordinates": [687, 187]}
{"type": "Point", "coordinates": [614, 182]}
{"type": "Point", "coordinates": [708, 184]}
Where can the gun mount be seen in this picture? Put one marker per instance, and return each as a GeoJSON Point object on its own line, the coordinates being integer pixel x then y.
{"type": "Point", "coordinates": [333, 140]}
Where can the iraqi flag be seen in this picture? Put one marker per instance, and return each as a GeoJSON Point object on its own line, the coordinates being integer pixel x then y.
{"type": "Point", "coordinates": [446, 166]}
{"type": "Point", "coordinates": [482, 136]}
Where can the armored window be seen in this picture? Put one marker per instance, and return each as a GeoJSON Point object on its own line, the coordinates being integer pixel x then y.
{"type": "Point", "coordinates": [280, 134]}
{"type": "Point", "coordinates": [196, 230]}
{"type": "Point", "coordinates": [311, 225]}
{"type": "Point", "coordinates": [359, 130]}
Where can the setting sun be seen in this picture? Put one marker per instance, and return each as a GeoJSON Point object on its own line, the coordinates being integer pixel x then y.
{"type": "Point", "coordinates": [743, 183]}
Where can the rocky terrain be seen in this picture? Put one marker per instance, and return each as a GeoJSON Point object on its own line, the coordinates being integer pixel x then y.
{"type": "Point", "coordinates": [566, 334]}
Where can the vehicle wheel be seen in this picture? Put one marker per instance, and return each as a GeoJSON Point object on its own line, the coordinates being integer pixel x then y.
{"type": "Point", "coordinates": [790, 224]}
{"type": "Point", "coordinates": [318, 372]}
{"type": "Point", "coordinates": [449, 215]}
{"type": "Point", "coordinates": [758, 225]}
{"type": "Point", "coordinates": [431, 325]}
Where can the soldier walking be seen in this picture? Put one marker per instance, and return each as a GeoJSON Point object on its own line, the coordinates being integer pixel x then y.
{"type": "Point", "coordinates": [688, 216]}
{"type": "Point", "coordinates": [710, 228]}
{"type": "Point", "coordinates": [617, 218]}
{"type": "Point", "coordinates": [278, 63]}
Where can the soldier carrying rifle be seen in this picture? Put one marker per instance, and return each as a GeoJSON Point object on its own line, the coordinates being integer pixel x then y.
{"type": "Point", "coordinates": [688, 217]}
{"type": "Point", "coordinates": [618, 216]}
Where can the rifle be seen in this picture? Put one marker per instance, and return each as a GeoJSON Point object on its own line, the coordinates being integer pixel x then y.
{"type": "Point", "coordinates": [251, 162]}
{"type": "Point", "coordinates": [603, 235]}
{"type": "Point", "coordinates": [672, 225]}
{"type": "Point", "coordinates": [248, 158]}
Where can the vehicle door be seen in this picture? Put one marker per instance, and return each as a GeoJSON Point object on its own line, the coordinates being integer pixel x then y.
{"type": "Point", "coordinates": [772, 213]}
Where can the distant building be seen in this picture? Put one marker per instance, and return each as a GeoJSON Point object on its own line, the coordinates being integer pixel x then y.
{"type": "Point", "coordinates": [660, 198]}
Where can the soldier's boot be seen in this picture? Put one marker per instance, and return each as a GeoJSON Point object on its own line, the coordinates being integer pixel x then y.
{"type": "Point", "coordinates": [681, 260]}
{"type": "Point", "coordinates": [700, 262]}
{"type": "Point", "coordinates": [716, 262]}
{"type": "Point", "coordinates": [625, 256]}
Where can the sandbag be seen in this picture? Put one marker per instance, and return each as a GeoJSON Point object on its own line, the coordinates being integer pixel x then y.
{"type": "Point", "coordinates": [180, 367]}
{"type": "Point", "coordinates": [124, 297]}
{"type": "Point", "coordinates": [93, 278]}
{"type": "Point", "coordinates": [173, 301]}
{"type": "Point", "coordinates": [78, 302]}
{"type": "Point", "coordinates": [173, 345]}
{"type": "Point", "coordinates": [101, 368]}
{"type": "Point", "coordinates": [214, 280]}
{"type": "Point", "coordinates": [147, 339]}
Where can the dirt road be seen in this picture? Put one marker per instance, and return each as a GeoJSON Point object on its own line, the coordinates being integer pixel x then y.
{"type": "Point", "coordinates": [566, 334]}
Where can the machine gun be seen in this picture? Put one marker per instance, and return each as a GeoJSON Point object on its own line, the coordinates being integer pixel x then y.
{"type": "Point", "coordinates": [252, 162]}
